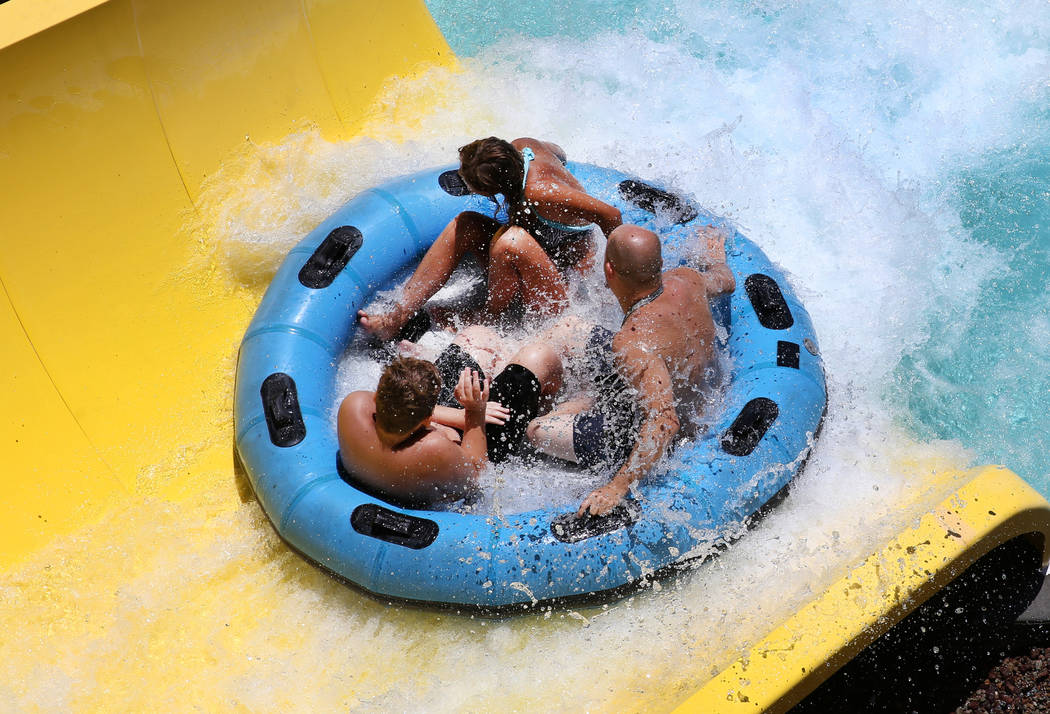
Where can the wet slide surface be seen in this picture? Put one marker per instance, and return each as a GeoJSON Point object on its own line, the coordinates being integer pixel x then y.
{"type": "Point", "coordinates": [157, 160]}
{"type": "Point", "coordinates": [119, 333]}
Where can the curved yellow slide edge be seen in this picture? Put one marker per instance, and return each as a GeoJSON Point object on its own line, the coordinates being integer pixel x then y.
{"type": "Point", "coordinates": [117, 340]}
{"type": "Point", "coordinates": [993, 507]}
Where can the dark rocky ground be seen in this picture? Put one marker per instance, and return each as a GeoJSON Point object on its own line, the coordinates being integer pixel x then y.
{"type": "Point", "coordinates": [1019, 681]}
{"type": "Point", "coordinates": [1004, 673]}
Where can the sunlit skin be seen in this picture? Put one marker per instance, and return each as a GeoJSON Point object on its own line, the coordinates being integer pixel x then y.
{"type": "Point", "coordinates": [515, 263]}
{"type": "Point", "coordinates": [441, 457]}
{"type": "Point", "coordinates": [663, 350]}
{"type": "Point", "coordinates": [433, 460]}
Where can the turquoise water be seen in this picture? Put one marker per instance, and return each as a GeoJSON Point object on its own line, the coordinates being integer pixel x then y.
{"type": "Point", "coordinates": [895, 159]}
{"type": "Point", "coordinates": [983, 376]}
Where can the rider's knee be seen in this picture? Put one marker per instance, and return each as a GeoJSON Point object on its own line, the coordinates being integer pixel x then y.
{"type": "Point", "coordinates": [532, 431]}
{"type": "Point", "coordinates": [467, 218]}
{"type": "Point", "coordinates": [509, 243]}
{"type": "Point", "coordinates": [544, 362]}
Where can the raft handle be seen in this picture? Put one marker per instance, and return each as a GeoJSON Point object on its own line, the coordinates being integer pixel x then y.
{"type": "Point", "coordinates": [453, 184]}
{"type": "Point", "coordinates": [568, 528]}
{"type": "Point", "coordinates": [393, 527]}
{"type": "Point", "coordinates": [657, 201]}
{"type": "Point", "coordinates": [284, 419]}
{"type": "Point", "coordinates": [769, 303]}
{"type": "Point", "coordinates": [331, 257]}
{"type": "Point", "coordinates": [750, 425]}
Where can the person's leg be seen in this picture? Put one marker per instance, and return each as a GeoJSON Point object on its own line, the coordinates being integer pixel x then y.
{"type": "Point", "coordinates": [518, 265]}
{"type": "Point", "coordinates": [483, 344]}
{"type": "Point", "coordinates": [468, 232]}
{"type": "Point", "coordinates": [579, 254]}
{"type": "Point", "coordinates": [534, 371]}
{"type": "Point", "coordinates": [552, 433]}
{"type": "Point", "coordinates": [544, 363]}
{"type": "Point", "coordinates": [568, 336]}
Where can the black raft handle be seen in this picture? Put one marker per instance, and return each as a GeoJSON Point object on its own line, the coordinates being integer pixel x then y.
{"type": "Point", "coordinates": [568, 528]}
{"type": "Point", "coordinates": [331, 257]}
{"type": "Point", "coordinates": [393, 527]}
{"type": "Point", "coordinates": [750, 425]}
{"type": "Point", "coordinates": [768, 301]}
{"type": "Point", "coordinates": [453, 184]}
{"type": "Point", "coordinates": [284, 419]}
{"type": "Point", "coordinates": [657, 201]}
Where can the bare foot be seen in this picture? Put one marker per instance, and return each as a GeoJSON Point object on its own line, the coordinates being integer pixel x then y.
{"type": "Point", "coordinates": [385, 326]}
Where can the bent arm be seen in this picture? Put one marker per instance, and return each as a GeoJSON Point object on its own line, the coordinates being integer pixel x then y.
{"type": "Point", "coordinates": [473, 394]}
{"type": "Point", "coordinates": [449, 416]}
{"type": "Point", "coordinates": [495, 413]}
{"type": "Point", "coordinates": [569, 203]}
{"type": "Point", "coordinates": [648, 374]}
{"type": "Point", "coordinates": [719, 280]}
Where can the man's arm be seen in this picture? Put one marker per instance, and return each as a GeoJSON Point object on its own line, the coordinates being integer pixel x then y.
{"type": "Point", "coordinates": [648, 374]}
{"type": "Point", "coordinates": [454, 468]}
{"type": "Point", "coordinates": [473, 394]}
{"type": "Point", "coordinates": [495, 413]}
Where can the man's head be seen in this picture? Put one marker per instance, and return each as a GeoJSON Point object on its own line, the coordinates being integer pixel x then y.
{"type": "Point", "coordinates": [406, 395]}
{"type": "Point", "coordinates": [633, 259]}
{"type": "Point", "coordinates": [490, 166]}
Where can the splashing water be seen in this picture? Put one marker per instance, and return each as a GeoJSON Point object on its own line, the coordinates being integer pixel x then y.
{"type": "Point", "coordinates": [893, 160]}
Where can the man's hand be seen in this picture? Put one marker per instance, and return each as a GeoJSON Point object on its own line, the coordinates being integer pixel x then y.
{"type": "Point", "coordinates": [718, 277]}
{"type": "Point", "coordinates": [496, 413]}
{"type": "Point", "coordinates": [473, 394]}
{"type": "Point", "coordinates": [602, 500]}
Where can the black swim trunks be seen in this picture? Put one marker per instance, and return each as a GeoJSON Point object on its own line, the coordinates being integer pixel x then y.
{"type": "Point", "coordinates": [450, 364]}
{"type": "Point", "coordinates": [604, 435]}
{"type": "Point", "coordinates": [516, 388]}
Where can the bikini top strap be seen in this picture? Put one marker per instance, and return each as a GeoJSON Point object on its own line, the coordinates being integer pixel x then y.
{"type": "Point", "coordinates": [526, 154]}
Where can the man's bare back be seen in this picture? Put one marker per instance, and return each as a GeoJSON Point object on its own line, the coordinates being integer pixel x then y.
{"type": "Point", "coordinates": [678, 328]}
{"type": "Point", "coordinates": [665, 352]}
{"type": "Point", "coordinates": [431, 464]}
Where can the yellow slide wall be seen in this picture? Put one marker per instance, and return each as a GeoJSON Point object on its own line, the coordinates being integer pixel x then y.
{"type": "Point", "coordinates": [109, 122]}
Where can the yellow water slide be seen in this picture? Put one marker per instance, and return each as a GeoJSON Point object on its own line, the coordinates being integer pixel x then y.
{"type": "Point", "coordinates": [118, 341]}
{"type": "Point", "coordinates": [112, 115]}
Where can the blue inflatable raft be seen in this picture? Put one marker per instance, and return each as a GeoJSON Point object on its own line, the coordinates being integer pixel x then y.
{"type": "Point", "coordinates": [718, 483]}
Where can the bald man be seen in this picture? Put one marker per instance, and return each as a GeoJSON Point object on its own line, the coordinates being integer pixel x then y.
{"type": "Point", "coordinates": [655, 367]}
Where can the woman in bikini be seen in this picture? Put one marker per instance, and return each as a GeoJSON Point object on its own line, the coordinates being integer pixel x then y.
{"type": "Point", "coordinates": [547, 233]}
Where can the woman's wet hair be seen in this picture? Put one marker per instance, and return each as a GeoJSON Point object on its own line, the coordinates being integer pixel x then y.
{"type": "Point", "coordinates": [491, 166]}
{"type": "Point", "coordinates": [406, 395]}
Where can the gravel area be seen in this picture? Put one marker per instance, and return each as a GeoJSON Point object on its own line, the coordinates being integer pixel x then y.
{"type": "Point", "coordinates": [1019, 683]}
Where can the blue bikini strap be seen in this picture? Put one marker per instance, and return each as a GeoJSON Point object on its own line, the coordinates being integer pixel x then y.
{"type": "Point", "coordinates": [526, 154]}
